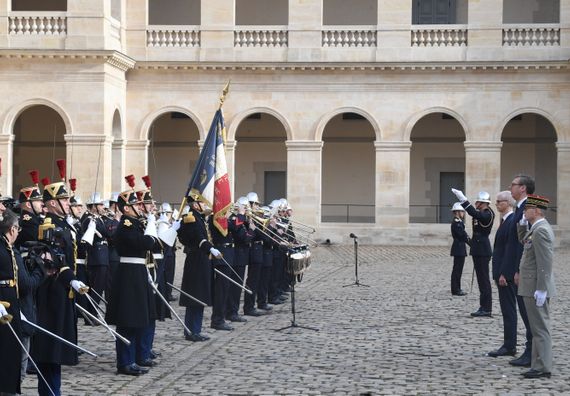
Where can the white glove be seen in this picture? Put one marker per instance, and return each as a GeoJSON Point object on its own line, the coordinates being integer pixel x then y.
{"type": "Point", "coordinates": [90, 232]}
{"type": "Point", "coordinates": [79, 286]}
{"type": "Point", "coordinates": [540, 297]}
{"type": "Point", "coordinates": [459, 194]}
{"type": "Point", "coordinates": [216, 253]}
{"type": "Point", "coordinates": [151, 227]}
{"type": "Point", "coordinates": [523, 221]}
{"type": "Point", "coordinates": [3, 311]}
{"type": "Point", "coordinates": [163, 218]}
{"type": "Point", "coordinates": [70, 220]}
{"type": "Point", "coordinates": [252, 226]}
{"type": "Point", "coordinates": [176, 225]}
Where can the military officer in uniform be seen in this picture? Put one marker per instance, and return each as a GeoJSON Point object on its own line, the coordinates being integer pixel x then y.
{"type": "Point", "coordinates": [536, 282]}
{"type": "Point", "coordinates": [458, 250]}
{"type": "Point", "coordinates": [132, 306]}
{"type": "Point", "coordinates": [197, 276]}
{"type": "Point", "coordinates": [31, 204]}
{"type": "Point", "coordinates": [482, 217]}
{"type": "Point", "coordinates": [112, 223]}
{"type": "Point", "coordinates": [169, 253]}
{"type": "Point", "coordinates": [56, 295]}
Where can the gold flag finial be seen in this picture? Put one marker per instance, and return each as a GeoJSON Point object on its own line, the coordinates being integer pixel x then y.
{"type": "Point", "coordinates": [224, 93]}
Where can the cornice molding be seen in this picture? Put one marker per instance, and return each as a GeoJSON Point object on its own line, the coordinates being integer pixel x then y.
{"type": "Point", "coordinates": [88, 139]}
{"type": "Point", "coordinates": [393, 146]}
{"type": "Point", "coordinates": [482, 146]}
{"type": "Point", "coordinates": [113, 58]}
{"type": "Point", "coordinates": [303, 145]}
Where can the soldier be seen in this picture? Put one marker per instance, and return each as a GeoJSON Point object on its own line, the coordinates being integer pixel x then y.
{"type": "Point", "coordinates": [56, 295]}
{"type": "Point", "coordinates": [111, 223]}
{"type": "Point", "coordinates": [270, 246]}
{"type": "Point", "coordinates": [276, 295]}
{"type": "Point", "coordinates": [197, 275]}
{"type": "Point", "coordinates": [483, 217]}
{"type": "Point", "coordinates": [132, 305]}
{"type": "Point", "coordinates": [169, 252]}
{"type": "Point", "coordinates": [458, 250]}
{"type": "Point", "coordinates": [31, 205]}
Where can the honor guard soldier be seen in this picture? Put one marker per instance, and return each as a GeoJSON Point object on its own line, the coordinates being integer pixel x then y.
{"type": "Point", "coordinates": [132, 305]}
{"type": "Point", "coordinates": [458, 249]}
{"type": "Point", "coordinates": [112, 224]}
{"type": "Point", "coordinates": [31, 204]}
{"type": "Point", "coordinates": [279, 257]}
{"type": "Point", "coordinates": [197, 276]}
{"type": "Point", "coordinates": [97, 248]}
{"type": "Point", "coordinates": [255, 257]}
{"type": "Point", "coordinates": [169, 251]}
{"type": "Point", "coordinates": [483, 217]}
{"type": "Point", "coordinates": [56, 295]}
{"type": "Point", "coordinates": [270, 246]}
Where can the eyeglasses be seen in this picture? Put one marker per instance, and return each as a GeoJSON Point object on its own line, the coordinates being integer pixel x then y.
{"type": "Point", "coordinates": [498, 201]}
{"type": "Point", "coordinates": [17, 227]}
{"type": "Point", "coordinates": [517, 184]}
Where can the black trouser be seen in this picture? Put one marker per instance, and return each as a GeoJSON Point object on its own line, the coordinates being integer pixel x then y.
{"type": "Point", "coordinates": [276, 275]}
{"type": "Point", "coordinates": [524, 317]}
{"type": "Point", "coordinates": [169, 271]}
{"type": "Point", "coordinates": [220, 294]}
{"type": "Point", "coordinates": [97, 280]}
{"type": "Point", "coordinates": [82, 275]}
{"type": "Point", "coordinates": [458, 262]}
{"type": "Point", "coordinates": [234, 292]}
{"type": "Point", "coordinates": [508, 302]}
{"type": "Point", "coordinates": [252, 282]}
{"type": "Point", "coordinates": [481, 264]}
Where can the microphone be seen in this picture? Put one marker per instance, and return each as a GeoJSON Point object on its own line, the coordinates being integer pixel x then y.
{"type": "Point", "coordinates": [352, 235]}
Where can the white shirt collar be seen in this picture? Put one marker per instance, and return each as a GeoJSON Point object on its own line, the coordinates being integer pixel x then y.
{"type": "Point", "coordinates": [507, 215]}
{"type": "Point", "coordinates": [519, 203]}
{"type": "Point", "coordinates": [537, 222]}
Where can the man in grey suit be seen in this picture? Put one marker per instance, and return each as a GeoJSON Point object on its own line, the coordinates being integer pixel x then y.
{"type": "Point", "coordinates": [536, 282]}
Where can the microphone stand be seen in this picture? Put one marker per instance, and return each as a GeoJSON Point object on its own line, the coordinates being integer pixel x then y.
{"type": "Point", "coordinates": [356, 281]}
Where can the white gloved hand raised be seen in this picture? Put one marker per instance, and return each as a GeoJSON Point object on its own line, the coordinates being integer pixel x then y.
{"type": "Point", "coordinates": [523, 221]}
{"type": "Point", "coordinates": [79, 286]}
{"type": "Point", "coordinates": [459, 194]}
{"type": "Point", "coordinates": [163, 218]}
{"type": "Point", "coordinates": [151, 227]}
{"type": "Point", "coordinates": [216, 253]}
{"type": "Point", "coordinates": [3, 311]}
{"type": "Point", "coordinates": [540, 297]}
{"type": "Point", "coordinates": [176, 225]}
{"type": "Point", "coordinates": [89, 232]}
{"type": "Point", "coordinates": [70, 220]}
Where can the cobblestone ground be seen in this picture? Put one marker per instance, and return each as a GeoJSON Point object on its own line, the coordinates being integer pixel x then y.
{"type": "Point", "coordinates": [405, 334]}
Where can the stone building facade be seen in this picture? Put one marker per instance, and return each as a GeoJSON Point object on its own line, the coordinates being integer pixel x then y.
{"type": "Point", "coordinates": [362, 113]}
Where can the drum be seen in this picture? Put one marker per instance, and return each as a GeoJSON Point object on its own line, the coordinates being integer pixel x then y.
{"type": "Point", "coordinates": [299, 261]}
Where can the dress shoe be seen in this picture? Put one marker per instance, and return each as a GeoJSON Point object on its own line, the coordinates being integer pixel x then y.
{"type": "Point", "coordinates": [131, 369]}
{"type": "Point", "coordinates": [276, 301]}
{"type": "Point", "coordinates": [265, 307]}
{"type": "Point", "coordinates": [481, 313]}
{"type": "Point", "coordinates": [222, 326]}
{"type": "Point", "coordinates": [147, 363]}
{"type": "Point", "coordinates": [252, 312]}
{"type": "Point", "coordinates": [522, 361]}
{"type": "Point", "coordinates": [532, 373]}
{"type": "Point", "coordinates": [502, 351]}
{"type": "Point", "coordinates": [197, 337]}
{"type": "Point", "coordinates": [154, 354]}
{"type": "Point", "coordinates": [237, 318]}
{"type": "Point", "coordinates": [459, 293]}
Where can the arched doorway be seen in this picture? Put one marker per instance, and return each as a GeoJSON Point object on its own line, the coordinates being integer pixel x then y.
{"type": "Point", "coordinates": [38, 141]}
{"type": "Point", "coordinates": [172, 155]}
{"type": "Point", "coordinates": [261, 157]}
{"type": "Point", "coordinates": [118, 153]}
{"type": "Point", "coordinates": [529, 147]}
{"type": "Point", "coordinates": [437, 163]}
{"type": "Point", "coordinates": [348, 168]}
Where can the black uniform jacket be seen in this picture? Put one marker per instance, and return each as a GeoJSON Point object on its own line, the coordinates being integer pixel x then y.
{"type": "Point", "coordinates": [460, 238]}
{"type": "Point", "coordinates": [197, 275]}
{"type": "Point", "coordinates": [482, 225]}
{"type": "Point", "coordinates": [504, 254]}
{"type": "Point", "coordinates": [224, 243]}
{"type": "Point", "coordinates": [517, 247]}
{"type": "Point", "coordinates": [239, 227]}
{"type": "Point", "coordinates": [98, 252]}
{"type": "Point", "coordinates": [10, 349]}
{"type": "Point", "coordinates": [131, 303]}
{"type": "Point", "coordinates": [56, 309]}
{"type": "Point", "coordinates": [29, 279]}
{"type": "Point", "coordinates": [30, 224]}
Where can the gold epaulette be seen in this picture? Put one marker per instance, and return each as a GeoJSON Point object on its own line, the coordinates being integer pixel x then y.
{"type": "Point", "coordinates": [189, 218]}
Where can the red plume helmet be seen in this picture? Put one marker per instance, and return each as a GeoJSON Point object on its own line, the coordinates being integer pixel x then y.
{"type": "Point", "coordinates": [46, 181]}
{"type": "Point", "coordinates": [61, 166]}
{"type": "Point", "coordinates": [73, 184]}
{"type": "Point", "coordinates": [35, 175]}
{"type": "Point", "coordinates": [130, 181]}
{"type": "Point", "coordinates": [146, 180]}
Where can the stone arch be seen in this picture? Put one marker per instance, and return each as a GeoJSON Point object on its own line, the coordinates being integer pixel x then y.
{"type": "Point", "coordinates": [117, 125]}
{"type": "Point", "coordinates": [238, 118]}
{"type": "Point", "coordinates": [535, 110]}
{"type": "Point", "coordinates": [413, 120]}
{"type": "Point", "coordinates": [17, 110]}
{"type": "Point", "coordinates": [149, 119]}
{"type": "Point", "coordinates": [348, 109]}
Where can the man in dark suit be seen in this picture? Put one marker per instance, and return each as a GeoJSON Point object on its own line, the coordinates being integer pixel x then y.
{"type": "Point", "coordinates": [521, 186]}
{"type": "Point", "coordinates": [483, 217]}
{"type": "Point", "coordinates": [504, 268]}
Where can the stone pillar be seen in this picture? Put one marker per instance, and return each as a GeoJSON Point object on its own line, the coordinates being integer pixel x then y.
{"type": "Point", "coordinates": [563, 185]}
{"type": "Point", "coordinates": [304, 29]}
{"type": "Point", "coordinates": [136, 159]}
{"type": "Point", "coordinates": [230, 147]}
{"type": "Point", "coordinates": [89, 161]}
{"type": "Point", "coordinates": [7, 166]}
{"type": "Point", "coordinates": [217, 30]}
{"type": "Point", "coordinates": [392, 183]}
{"type": "Point", "coordinates": [85, 24]}
{"type": "Point", "coordinates": [304, 160]}
{"type": "Point", "coordinates": [485, 25]}
{"type": "Point", "coordinates": [394, 26]}
{"type": "Point", "coordinates": [118, 161]}
{"type": "Point", "coordinates": [4, 8]}
{"type": "Point", "coordinates": [134, 25]}
{"type": "Point", "coordinates": [482, 168]}
{"type": "Point", "coordinates": [565, 24]}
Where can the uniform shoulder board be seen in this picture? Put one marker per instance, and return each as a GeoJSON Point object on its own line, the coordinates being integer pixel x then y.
{"type": "Point", "coordinates": [189, 218]}
{"type": "Point", "coordinates": [127, 223]}
{"type": "Point", "coordinates": [26, 217]}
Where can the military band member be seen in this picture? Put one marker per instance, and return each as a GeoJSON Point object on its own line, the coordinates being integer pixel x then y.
{"type": "Point", "coordinates": [78, 216]}
{"type": "Point", "coordinates": [56, 295]}
{"type": "Point", "coordinates": [270, 246]}
{"type": "Point", "coordinates": [169, 252]}
{"type": "Point", "coordinates": [112, 223]}
{"type": "Point", "coordinates": [458, 249]}
{"type": "Point", "coordinates": [132, 306]}
{"type": "Point", "coordinates": [197, 276]}
{"type": "Point", "coordinates": [483, 217]}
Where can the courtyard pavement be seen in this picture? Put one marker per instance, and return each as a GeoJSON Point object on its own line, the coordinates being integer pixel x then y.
{"type": "Point", "coordinates": [405, 334]}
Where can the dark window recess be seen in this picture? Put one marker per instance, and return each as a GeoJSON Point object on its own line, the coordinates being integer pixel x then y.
{"type": "Point", "coordinates": [517, 118]}
{"type": "Point", "coordinates": [352, 116]}
{"type": "Point", "coordinates": [445, 116]}
{"type": "Point", "coordinates": [178, 116]}
{"type": "Point", "coordinates": [254, 116]}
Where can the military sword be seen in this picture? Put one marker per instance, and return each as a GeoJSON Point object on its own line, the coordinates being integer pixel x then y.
{"type": "Point", "coordinates": [104, 324]}
{"type": "Point", "coordinates": [168, 305]}
{"type": "Point", "coordinates": [472, 277]}
{"type": "Point", "coordinates": [187, 295]}
{"type": "Point", "coordinates": [245, 289]}
{"type": "Point", "coordinates": [100, 296]}
{"type": "Point", "coordinates": [68, 343]}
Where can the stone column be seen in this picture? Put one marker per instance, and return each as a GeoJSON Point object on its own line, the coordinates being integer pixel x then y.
{"type": "Point", "coordinates": [230, 147]}
{"type": "Point", "coordinates": [118, 161]}
{"type": "Point", "coordinates": [394, 26]}
{"type": "Point", "coordinates": [135, 28]}
{"type": "Point", "coordinates": [85, 25]}
{"type": "Point", "coordinates": [563, 185]}
{"type": "Point", "coordinates": [482, 168]}
{"type": "Point", "coordinates": [7, 166]}
{"type": "Point", "coordinates": [4, 7]}
{"type": "Point", "coordinates": [564, 24]}
{"type": "Point", "coordinates": [392, 183]}
{"type": "Point", "coordinates": [136, 159]}
{"type": "Point", "coordinates": [304, 29]}
{"type": "Point", "coordinates": [89, 161]}
{"type": "Point", "coordinates": [485, 25]}
{"type": "Point", "coordinates": [304, 159]}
